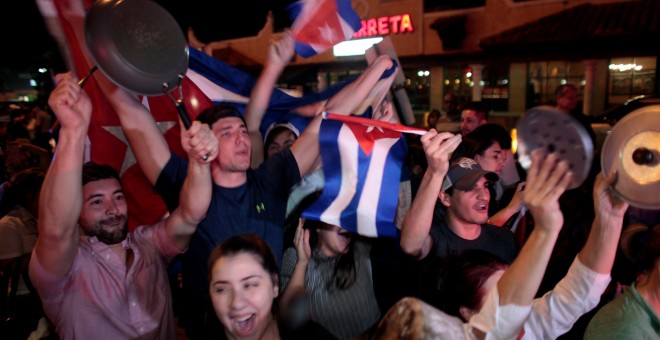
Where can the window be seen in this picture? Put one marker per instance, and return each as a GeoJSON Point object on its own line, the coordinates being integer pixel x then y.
{"type": "Point", "coordinates": [458, 80]}
{"type": "Point", "coordinates": [545, 76]}
{"type": "Point", "coordinates": [418, 88]}
{"type": "Point", "coordinates": [495, 91]}
{"type": "Point", "coordinates": [630, 77]}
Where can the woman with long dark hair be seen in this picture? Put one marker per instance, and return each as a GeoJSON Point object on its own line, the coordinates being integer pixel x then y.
{"type": "Point", "coordinates": [326, 277]}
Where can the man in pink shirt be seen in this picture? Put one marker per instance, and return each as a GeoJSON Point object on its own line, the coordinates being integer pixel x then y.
{"type": "Point", "coordinates": [96, 279]}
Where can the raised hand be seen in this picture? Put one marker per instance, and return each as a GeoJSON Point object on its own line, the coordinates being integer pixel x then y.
{"type": "Point", "coordinates": [607, 205]}
{"type": "Point", "coordinates": [70, 103]}
{"type": "Point", "coordinates": [199, 142]}
{"type": "Point", "coordinates": [517, 199]}
{"type": "Point", "coordinates": [547, 179]}
{"type": "Point", "coordinates": [301, 241]}
{"type": "Point", "coordinates": [385, 112]}
{"type": "Point", "coordinates": [280, 52]}
{"type": "Point", "coordinates": [438, 148]}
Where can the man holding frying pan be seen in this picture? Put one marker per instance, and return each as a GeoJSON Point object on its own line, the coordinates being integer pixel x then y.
{"type": "Point", "coordinates": [93, 276]}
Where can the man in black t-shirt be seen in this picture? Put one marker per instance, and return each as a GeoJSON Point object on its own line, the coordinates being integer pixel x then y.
{"type": "Point", "coordinates": [464, 193]}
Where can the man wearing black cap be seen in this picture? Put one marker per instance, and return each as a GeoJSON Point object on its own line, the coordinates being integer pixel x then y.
{"type": "Point", "coordinates": [463, 192]}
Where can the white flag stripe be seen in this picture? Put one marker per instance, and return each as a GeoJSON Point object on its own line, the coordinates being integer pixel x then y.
{"type": "Point", "coordinates": [307, 9]}
{"type": "Point", "coordinates": [345, 27]}
{"type": "Point", "coordinates": [213, 91]}
{"type": "Point", "coordinates": [349, 163]}
{"type": "Point", "coordinates": [368, 205]}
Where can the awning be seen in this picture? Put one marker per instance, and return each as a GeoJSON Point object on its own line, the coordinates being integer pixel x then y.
{"type": "Point", "coordinates": [621, 28]}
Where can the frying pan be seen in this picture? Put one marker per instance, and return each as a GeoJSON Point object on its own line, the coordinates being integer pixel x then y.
{"type": "Point", "coordinates": [140, 47]}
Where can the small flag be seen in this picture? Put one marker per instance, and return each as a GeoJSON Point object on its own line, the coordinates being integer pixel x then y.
{"type": "Point", "coordinates": [362, 162]}
{"type": "Point", "coordinates": [320, 24]}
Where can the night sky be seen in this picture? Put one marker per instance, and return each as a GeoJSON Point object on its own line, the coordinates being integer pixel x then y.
{"type": "Point", "coordinates": [27, 43]}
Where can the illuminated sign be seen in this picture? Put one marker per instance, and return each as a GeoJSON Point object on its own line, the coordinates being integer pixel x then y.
{"type": "Point", "coordinates": [354, 47]}
{"type": "Point", "coordinates": [395, 24]}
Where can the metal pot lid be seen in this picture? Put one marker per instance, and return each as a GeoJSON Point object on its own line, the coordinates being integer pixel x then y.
{"type": "Point", "coordinates": [551, 130]}
{"type": "Point", "coordinates": [632, 150]}
{"type": "Point", "coordinates": [137, 44]}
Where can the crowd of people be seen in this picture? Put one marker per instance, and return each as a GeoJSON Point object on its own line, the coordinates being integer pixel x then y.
{"type": "Point", "coordinates": [484, 248]}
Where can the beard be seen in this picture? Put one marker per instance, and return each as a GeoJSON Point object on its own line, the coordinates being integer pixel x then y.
{"type": "Point", "coordinates": [106, 230]}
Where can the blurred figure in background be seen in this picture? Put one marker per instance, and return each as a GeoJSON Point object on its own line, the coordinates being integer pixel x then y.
{"type": "Point", "coordinates": [18, 234]}
{"type": "Point", "coordinates": [450, 111]}
{"type": "Point", "coordinates": [432, 119]}
{"type": "Point", "coordinates": [473, 114]}
{"type": "Point", "coordinates": [567, 100]}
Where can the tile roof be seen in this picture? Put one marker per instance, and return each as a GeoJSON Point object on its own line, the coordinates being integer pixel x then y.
{"type": "Point", "coordinates": [631, 23]}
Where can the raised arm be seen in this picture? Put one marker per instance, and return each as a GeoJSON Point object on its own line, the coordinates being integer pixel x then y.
{"type": "Point", "coordinates": [60, 201]}
{"type": "Point", "coordinates": [279, 55]}
{"type": "Point", "coordinates": [512, 208]}
{"type": "Point", "coordinates": [201, 146]}
{"type": "Point", "coordinates": [599, 251]}
{"type": "Point", "coordinates": [509, 305]}
{"type": "Point", "coordinates": [352, 95]}
{"type": "Point", "coordinates": [547, 179]}
{"type": "Point", "coordinates": [295, 286]}
{"type": "Point", "coordinates": [147, 143]}
{"type": "Point", "coordinates": [306, 147]}
{"type": "Point", "coordinates": [589, 275]}
{"type": "Point", "coordinates": [415, 239]}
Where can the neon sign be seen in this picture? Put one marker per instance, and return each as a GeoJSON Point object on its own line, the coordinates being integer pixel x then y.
{"type": "Point", "coordinates": [395, 24]}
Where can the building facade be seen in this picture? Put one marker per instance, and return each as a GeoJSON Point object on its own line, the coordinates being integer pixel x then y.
{"type": "Point", "coordinates": [509, 54]}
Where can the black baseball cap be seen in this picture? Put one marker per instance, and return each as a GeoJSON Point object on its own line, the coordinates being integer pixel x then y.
{"type": "Point", "coordinates": [464, 173]}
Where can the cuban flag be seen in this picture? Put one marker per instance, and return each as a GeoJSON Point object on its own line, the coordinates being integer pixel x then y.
{"type": "Point", "coordinates": [362, 162]}
{"type": "Point", "coordinates": [320, 24]}
{"type": "Point", "coordinates": [222, 83]}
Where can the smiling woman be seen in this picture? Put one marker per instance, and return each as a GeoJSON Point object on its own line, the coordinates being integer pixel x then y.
{"type": "Point", "coordinates": [243, 283]}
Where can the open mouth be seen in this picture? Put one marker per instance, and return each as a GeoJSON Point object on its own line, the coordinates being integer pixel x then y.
{"type": "Point", "coordinates": [245, 325]}
{"type": "Point", "coordinates": [481, 207]}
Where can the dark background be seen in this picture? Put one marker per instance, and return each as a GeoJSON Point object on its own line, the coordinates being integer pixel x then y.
{"type": "Point", "coordinates": [26, 43]}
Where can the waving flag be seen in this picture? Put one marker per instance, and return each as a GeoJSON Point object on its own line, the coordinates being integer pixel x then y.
{"type": "Point", "coordinates": [362, 161]}
{"type": "Point", "coordinates": [207, 81]}
{"type": "Point", "coordinates": [320, 24]}
{"type": "Point", "coordinates": [222, 83]}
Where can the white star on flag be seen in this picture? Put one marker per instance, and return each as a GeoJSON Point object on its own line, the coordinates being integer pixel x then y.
{"type": "Point", "coordinates": [327, 33]}
{"type": "Point", "coordinates": [129, 156]}
{"type": "Point", "coordinates": [371, 128]}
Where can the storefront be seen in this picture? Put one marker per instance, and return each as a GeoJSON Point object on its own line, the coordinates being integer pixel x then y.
{"type": "Point", "coordinates": [509, 54]}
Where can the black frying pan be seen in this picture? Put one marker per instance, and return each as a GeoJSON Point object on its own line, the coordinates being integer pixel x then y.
{"type": "Point", "coordinates": [139, 46]}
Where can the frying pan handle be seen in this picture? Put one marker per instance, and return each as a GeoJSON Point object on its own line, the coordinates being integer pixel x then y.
{"type": "Point", "coordinates": [82, 81]}
{"type": "Point", "coordinates": [183, 113]}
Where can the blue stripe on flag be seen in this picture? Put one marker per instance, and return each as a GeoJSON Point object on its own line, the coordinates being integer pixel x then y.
{"type": "Point", "coordinates": [361, 191]}
{"type": "Point", "coordinates": [241, 83]}
{"type": "Point", "coordinates": [347, 13]}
